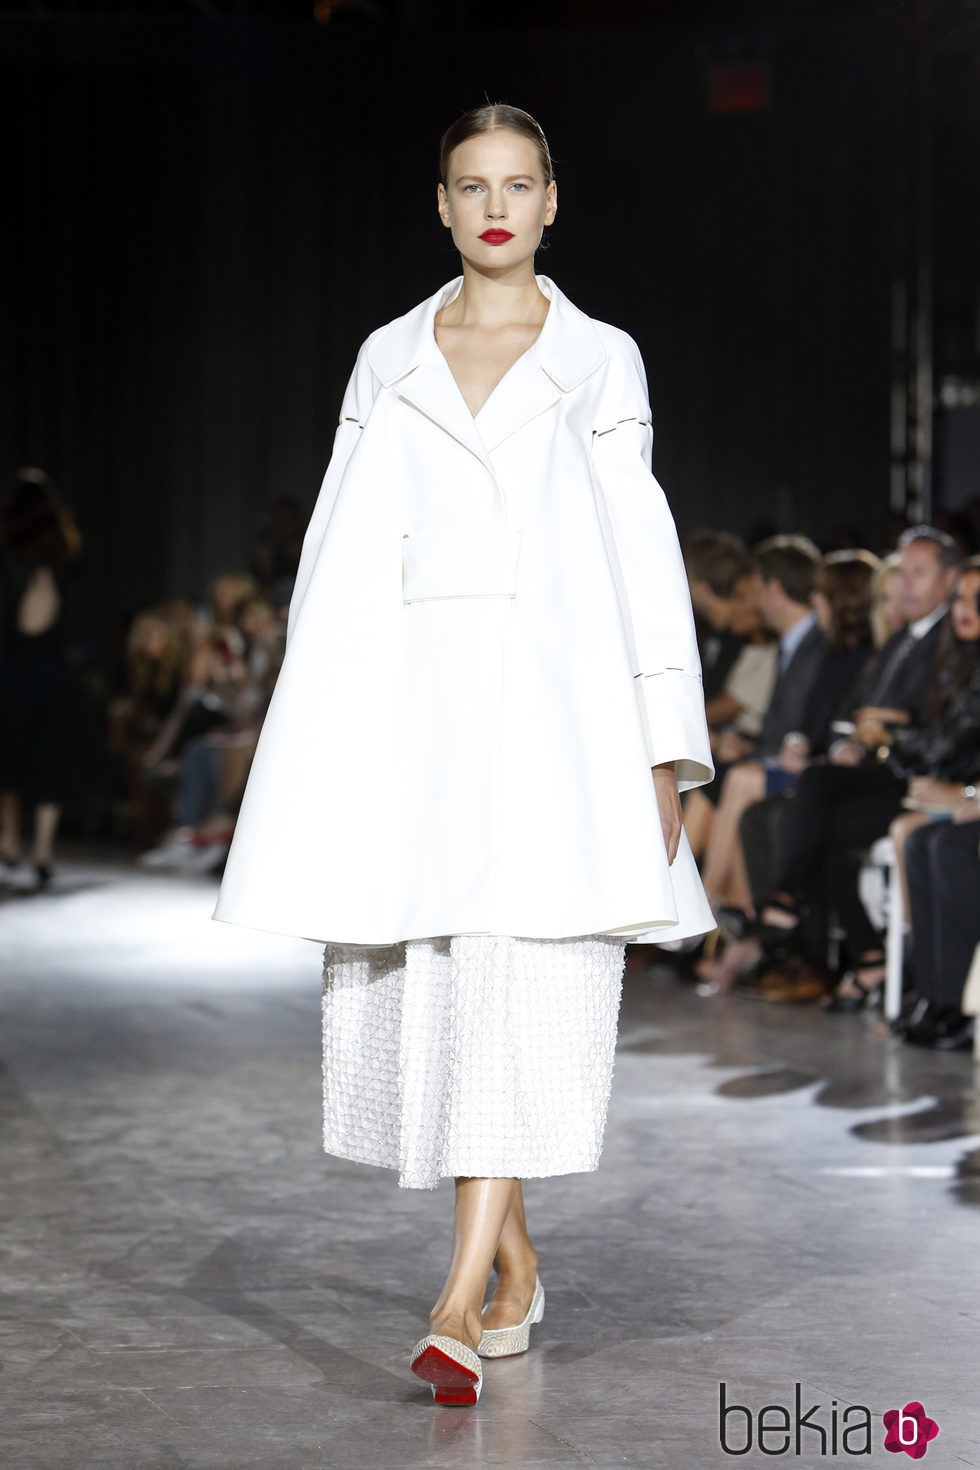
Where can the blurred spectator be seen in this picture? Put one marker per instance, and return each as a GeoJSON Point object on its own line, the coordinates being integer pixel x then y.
{"type": "Point", "coordinates": [49, 749]}
{"type": "Point", "coordinates": [950, 740]}
{"type": "Point", "coordinates": [887, 607]}
{"type": "Point", "coordinates": [716, 562]}
{"type": "Point", "coordinates": [155, 656]}
{"type": "Point", "coordinates": [215, 763]}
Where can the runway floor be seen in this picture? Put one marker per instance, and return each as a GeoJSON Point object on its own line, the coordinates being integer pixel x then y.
{"type": "Point", "coordinates": [785, 1197]}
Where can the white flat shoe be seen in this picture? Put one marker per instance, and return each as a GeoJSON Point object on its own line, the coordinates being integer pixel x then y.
{"type": "Point", "coordinates": [453, 1369]}
{"type": "Point", "coordinates": [503, 1342]}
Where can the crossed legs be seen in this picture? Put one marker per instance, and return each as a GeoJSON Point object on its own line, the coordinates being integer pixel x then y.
{"type": "Point", "coordinates": [489, 1229]}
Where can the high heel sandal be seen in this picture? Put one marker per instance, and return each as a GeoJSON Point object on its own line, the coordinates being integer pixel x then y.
{"type": "Point", "coordinates": [503, 1342]}
{"type": "Point", "coordinates": [453, 1369]}
{"type": "Point", "coordinates": [870, 996]}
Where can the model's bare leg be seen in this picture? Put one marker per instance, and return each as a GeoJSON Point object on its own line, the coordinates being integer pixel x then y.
{"type": "Point", "coordinates": [482, 1206]}
{"type": "Point", "coordinates": [46, 815]}
{"type": "Point", "coordinates": [9, 825]}
{"type": "Point", "coordinates": [516, 1263]}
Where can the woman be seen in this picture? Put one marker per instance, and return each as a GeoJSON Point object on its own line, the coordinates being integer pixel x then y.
{"type": "Point", "coordinates": [950, 743]}
{"type": "Point", "coordinates": [490, 645]}
{"type": "Point", "coordinates": [50, 752]}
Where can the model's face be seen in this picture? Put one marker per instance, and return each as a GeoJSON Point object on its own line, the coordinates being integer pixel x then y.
{"type": "Point", "coordinates": [925, 581]}
{"type": "Point", "coordinates": [966, 617]}
{"type": "Point", "coordinates": [495, 183]}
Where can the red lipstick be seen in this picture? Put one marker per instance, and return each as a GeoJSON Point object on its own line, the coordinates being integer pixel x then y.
{"type": "Point", "coordinates": [496, 237]}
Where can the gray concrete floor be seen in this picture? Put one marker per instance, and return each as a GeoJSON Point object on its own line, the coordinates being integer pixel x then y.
{"type": "Point", "coordinates": [186, 1280]}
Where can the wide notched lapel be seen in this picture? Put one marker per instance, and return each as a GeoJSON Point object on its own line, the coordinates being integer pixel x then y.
{"type": "Point", "coordinates": [432, 389]}
{"type": "Point", "coordinates": [522, 393]}
{"type": "Point", "coordinates": [407, 358]}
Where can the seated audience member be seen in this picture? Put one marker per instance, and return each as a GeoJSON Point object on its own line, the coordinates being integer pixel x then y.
{"type": "Point", "coordinates": [887, 605]}
{"type": "Point", "coordinates": [215, 764]}
{"type": "Point", "coordinates": [735, 716]}
{"type": "Point", "coordinates": [841, 808]}
{"type": "Point", "coordinates": [950, 744]}
{"type": "Point", "coordinates": [715, 560]}
{"type": "Point", "coordinates": [785, 570]}
{"type": "Point", "coordinates": [741, 706]}
{"type": "Point", "coordinates": [153, 665]}
{"type": "Point", "coordinates": [213, 670]}
{"type": "Point", "coordinates": [943, 861]}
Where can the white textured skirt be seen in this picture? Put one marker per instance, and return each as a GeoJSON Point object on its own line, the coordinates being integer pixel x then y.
{"type": "Point", "coordinates": [473, 1054]}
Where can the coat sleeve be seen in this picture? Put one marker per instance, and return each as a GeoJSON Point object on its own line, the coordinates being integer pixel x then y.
{"type": "Point", "coordinates": [645, 557]}
{"type": "Point", "coordinates": [359, 396]}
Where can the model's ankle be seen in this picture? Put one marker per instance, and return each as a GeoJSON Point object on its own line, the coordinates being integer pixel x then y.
{"type": "Point", "coordinates": [517, 1267]}
{"type": "Point", "coordinates": [464, 1323]}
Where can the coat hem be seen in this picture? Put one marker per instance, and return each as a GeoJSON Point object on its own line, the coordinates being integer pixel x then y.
{"type": "Point", "coordinates": [627, 934]}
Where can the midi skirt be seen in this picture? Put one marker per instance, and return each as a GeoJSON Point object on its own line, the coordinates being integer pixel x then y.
{"type": "Point", "coordinates": [471, 1054]}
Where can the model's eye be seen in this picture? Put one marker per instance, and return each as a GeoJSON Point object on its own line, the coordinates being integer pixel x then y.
{"type": "Point", "coordinates": [470, 186]}
{"type": "Point", "coordinates": [521, 186]}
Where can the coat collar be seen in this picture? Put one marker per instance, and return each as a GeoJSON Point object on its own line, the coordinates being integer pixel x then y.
{"type": "Point", "coordinates": [567, 350]}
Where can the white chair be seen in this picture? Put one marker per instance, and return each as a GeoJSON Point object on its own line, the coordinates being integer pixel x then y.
{"type": "Point", "coordinates": [970, 1004]}
{"type": "Point", "coordinates": [881, 893]}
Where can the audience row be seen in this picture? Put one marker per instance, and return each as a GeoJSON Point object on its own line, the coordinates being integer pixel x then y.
{"type": "Point", "coordinates": [843, 697]}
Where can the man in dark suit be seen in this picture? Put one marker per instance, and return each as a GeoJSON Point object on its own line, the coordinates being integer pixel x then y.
{"type": "Point", "coordinates": [785, 567]}
{"type": "Point", "coordinates": [844, 806]}
{"type": "Point", "coordinates": [784, 571]}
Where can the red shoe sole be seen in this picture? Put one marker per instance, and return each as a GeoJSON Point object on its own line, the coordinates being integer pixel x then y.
{"type": "Point", "coordinates": [451, 1382]}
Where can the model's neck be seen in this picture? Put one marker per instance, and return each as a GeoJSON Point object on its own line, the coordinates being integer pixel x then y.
{"type": "Point", "coordinates": [491, 301]}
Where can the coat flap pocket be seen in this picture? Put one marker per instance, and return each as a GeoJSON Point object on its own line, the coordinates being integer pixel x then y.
{"type": "Point", "coordinates": [460, 564]}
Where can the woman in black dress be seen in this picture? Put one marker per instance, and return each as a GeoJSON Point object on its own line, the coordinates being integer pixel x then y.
{"type": "Point", "coordinates": [46, 726]}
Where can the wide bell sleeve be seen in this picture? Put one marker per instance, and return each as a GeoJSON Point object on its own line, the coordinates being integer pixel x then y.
{"type": "Point", "coordinates": [645, 557]}
{"type": "Point", "coordinates": [359, 395]}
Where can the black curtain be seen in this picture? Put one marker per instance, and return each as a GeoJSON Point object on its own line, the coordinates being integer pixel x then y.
{"type": "Point", "coordinates": [208, 219]}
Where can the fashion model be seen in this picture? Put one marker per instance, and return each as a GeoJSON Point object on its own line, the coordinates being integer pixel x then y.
{"type": "Point", "coordinates": [467, 782]}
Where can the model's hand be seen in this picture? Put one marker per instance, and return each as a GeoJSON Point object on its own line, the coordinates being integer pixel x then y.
{"type": "Point", "coordinates": [669, 802]}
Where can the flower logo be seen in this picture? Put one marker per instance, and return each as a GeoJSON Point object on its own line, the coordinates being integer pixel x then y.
{"type": "Point", "coordinates": [909, 1429]}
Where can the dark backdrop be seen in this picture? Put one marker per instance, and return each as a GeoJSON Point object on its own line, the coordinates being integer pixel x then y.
{"type": "Point", "coordinates": [208, 220]}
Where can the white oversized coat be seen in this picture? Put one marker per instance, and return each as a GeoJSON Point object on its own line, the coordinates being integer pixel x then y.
{"type": "Point", "coordinates": [489, 643]}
